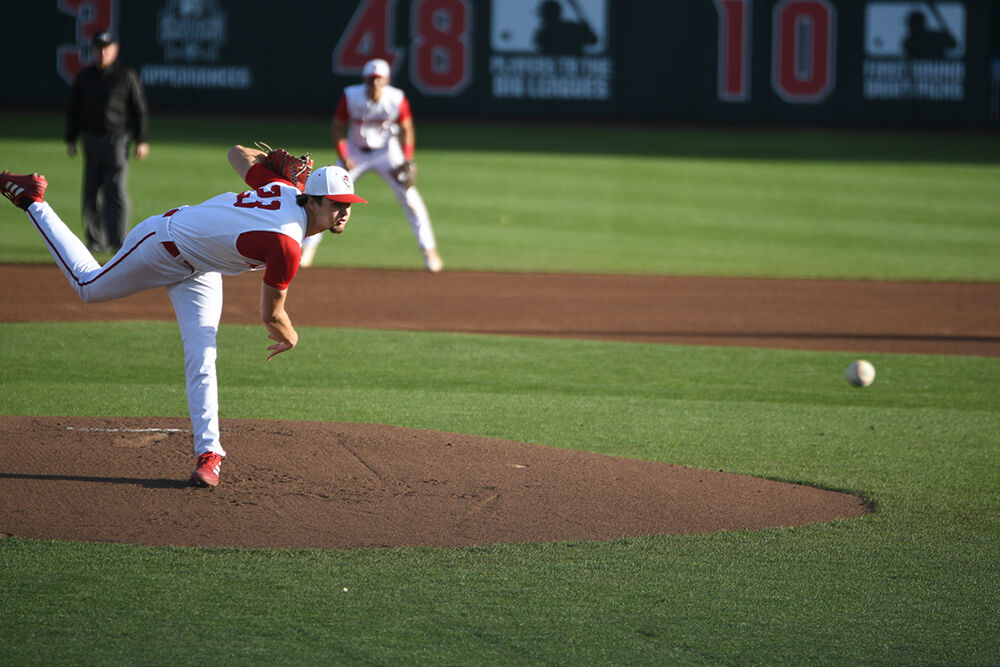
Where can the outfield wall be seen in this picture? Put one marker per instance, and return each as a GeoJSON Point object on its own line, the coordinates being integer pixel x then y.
{"type": "Point", "coordinates": [758, 61]}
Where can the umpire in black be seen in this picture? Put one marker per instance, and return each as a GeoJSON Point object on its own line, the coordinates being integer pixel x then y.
{"type": "Point", "coordinates": [107, 109]}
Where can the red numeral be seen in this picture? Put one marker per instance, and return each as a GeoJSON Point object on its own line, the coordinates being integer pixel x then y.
{"type": "Point", "coordinates": [243, 199]}
{"type": "Point", "coordinates": [92, 16]}
{"type": "Point", "coordinates": [439, 52]}
{"type": "Point", "coordinates": [440, 49]}
{"type": "Point", "coordinates": [367, 36]}
{"type": "Point", "coordinates": [804, 50]}
{"type": "Point", "coordinates": [733, 76]}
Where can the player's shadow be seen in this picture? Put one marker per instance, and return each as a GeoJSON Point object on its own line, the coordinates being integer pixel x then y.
{"type": "Point", "coordinates": [739, 335]}
{"type": "Point", "coordinates": [137, 481]}
{"type": "Point", "coordinates": [573, 136]}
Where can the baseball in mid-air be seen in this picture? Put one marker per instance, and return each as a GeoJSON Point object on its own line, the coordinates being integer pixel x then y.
{"type": "Point", "coordinates": [860, 373]}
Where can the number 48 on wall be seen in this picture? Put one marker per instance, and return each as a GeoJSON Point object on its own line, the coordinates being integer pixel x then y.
{"type": "Point", "coordinates": [803, 50]}
{"type": "Point", "coordinates": [440, 54]}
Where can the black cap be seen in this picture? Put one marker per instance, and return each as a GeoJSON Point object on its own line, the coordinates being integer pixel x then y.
{"type": "Point", "coordinates": [103, 38]}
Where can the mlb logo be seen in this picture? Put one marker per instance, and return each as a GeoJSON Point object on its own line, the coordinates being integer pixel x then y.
{"type": "Point", "coordinates": [915, 30]}
{"type": "Point", "coordinates": [550, 27]}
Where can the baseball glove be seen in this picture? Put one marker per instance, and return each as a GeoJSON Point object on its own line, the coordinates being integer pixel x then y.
{"type": "Point", "coordinates": [406, 174]}
{"type": "Point", "coordinates": [293, 169]}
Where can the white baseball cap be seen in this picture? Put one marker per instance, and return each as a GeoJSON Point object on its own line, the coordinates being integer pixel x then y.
{"type": "Point", "coordinates": [377, 67]}
{"type": "Point", "coordinates": [333, 183]}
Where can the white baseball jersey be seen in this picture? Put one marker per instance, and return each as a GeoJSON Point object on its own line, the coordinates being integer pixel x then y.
{"type": "Point", "coordinates": [213, 247]}
{"type": "Point", "coordinates": [373, 122]}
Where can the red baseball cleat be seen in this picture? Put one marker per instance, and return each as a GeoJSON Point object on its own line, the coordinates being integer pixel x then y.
{"type": "Point", "coordinates": [23, 189]}
{"type": "Point", "coordinates": [207, 472]}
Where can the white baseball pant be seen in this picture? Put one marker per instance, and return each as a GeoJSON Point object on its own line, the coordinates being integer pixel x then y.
{"type": "Point", "coordinates": [143, 263]}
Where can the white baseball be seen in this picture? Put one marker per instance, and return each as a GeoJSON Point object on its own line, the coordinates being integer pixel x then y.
{"type": "Point", "coordinates": [860, 373]}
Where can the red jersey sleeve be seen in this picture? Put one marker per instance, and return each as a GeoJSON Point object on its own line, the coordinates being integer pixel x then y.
{"type": "Point", "coordinates": [258, 176]}
{"type": "Point", "coordinates": [279, 252]}
{"type": "Point", "coordinates": [404, 111]}
{"type": "Point", "coordinates": [340, 113]}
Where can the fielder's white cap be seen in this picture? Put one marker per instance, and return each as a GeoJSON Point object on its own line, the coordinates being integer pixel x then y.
{"type": "Point", "coordinates": [377, 67]}
{"type": "Point", "coordinates": [333, 183]}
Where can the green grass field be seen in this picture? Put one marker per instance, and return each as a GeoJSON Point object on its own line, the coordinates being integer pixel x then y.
{"type": "Point", "coordinates": [904, 206]}
{"type": "Point", "coordinates": [916, 582]}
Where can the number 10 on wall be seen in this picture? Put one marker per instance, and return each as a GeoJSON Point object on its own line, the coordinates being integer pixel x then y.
{"type": "Point", "coordinates": [803, 50]}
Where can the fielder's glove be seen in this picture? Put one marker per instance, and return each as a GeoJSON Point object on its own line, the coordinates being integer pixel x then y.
{"type": "Point", "coordinates": [293, 169]}
{"type": "Point", "coordinates": [406, 174]}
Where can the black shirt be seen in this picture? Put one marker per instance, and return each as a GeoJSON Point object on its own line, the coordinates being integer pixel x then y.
{"type": "Point", "coordinates": [107, 100]}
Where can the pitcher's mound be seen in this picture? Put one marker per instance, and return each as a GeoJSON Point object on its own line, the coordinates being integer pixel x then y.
{"type": "Point", "coordinates": [333, 485]}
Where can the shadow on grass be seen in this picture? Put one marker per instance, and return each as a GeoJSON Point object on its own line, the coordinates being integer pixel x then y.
{"type": "Point", "coordinates": [568, 136]}
{"type": "Point", "coordinates": [742, 335]}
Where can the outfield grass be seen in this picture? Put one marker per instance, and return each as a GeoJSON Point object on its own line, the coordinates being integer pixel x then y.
{"type": "Point", "coordinates": [917, 582]}
{"type": "Point", "coordinates": [904, 206]}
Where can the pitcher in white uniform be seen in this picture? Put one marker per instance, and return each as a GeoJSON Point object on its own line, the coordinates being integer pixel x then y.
{"type": "Point", "coordinates": [381, 139]}
{"type": "Point", "coordinates": [187, 250]}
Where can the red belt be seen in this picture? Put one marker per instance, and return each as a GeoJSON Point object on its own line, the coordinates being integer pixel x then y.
{"type": "Point", "coordinates": [170, 247]}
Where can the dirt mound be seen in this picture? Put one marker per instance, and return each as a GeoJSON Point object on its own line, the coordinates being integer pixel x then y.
{"type": "Point", "coordinates": [333, 485]}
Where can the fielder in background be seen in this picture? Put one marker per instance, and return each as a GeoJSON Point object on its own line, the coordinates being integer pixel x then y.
{"type": "Point", "coordinates": [107, 108]}
{"type": "Point", "coordinates": [187, 249]}
{"type": "Point", "coordinates": [381, 139]}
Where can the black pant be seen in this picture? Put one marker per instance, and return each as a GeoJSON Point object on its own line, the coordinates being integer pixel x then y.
{"type": "Point", "coordinates": [105, 200]}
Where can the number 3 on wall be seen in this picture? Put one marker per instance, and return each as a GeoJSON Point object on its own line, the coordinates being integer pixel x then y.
{"type": "Point", "coordinates": [92, 16]}
{"type": "Point", "coordinates": [440, 54]}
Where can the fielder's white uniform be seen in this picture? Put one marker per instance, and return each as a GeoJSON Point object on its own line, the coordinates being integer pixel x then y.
{"type": "Point", "coordinates": [373, 144]}
{"type": "Point", "coordinates": [186, 250]}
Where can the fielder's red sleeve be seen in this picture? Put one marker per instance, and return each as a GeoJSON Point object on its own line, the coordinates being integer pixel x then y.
{"type": "Point", "coordinates": [404, 110]}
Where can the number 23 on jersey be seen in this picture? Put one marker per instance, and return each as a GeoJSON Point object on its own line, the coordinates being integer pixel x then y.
{"type": "Point", "coordinates": [266, 198]}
